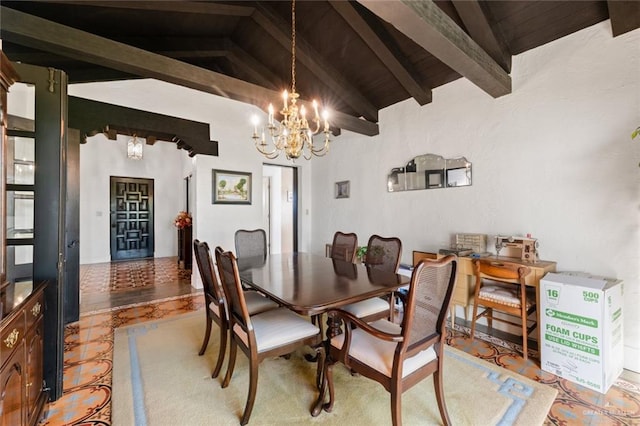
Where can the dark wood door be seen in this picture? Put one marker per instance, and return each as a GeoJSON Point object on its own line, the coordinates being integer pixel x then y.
{"type": "Point", "coordinates": [131, 218]}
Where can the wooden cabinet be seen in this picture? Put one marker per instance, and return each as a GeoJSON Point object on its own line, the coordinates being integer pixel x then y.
{"type": "Point", "coordinates": [22, 388]}
{"type": "Point", "coordinates": [22, 393]}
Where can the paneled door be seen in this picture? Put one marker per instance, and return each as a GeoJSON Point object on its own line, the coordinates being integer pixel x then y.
{"type": "Point", "coordinates": [131, 218]}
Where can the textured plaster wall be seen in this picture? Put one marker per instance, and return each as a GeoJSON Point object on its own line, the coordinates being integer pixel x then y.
{"type": "Point", "coordinates": [553, 159]}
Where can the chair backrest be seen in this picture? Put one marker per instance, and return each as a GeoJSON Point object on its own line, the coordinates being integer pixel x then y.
{"type": "Point", "coordinates": [384, 253]}
{"type": "Point", "coordinates": [228, 269]}
{"type": "Point", "coordinates": [428, 300]}
{"type": "Point", "coordinates": [212, 290]}
{"type": "Point", "coordinates": [505, 272]}
{"type": "Point", "coordinates": [344, 246]}
{"type": "Point", "coordinates": [251, 243]}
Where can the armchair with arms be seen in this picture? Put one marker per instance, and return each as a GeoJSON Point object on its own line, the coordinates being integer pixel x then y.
{"type": "Point", "coordinates": [400, 356]}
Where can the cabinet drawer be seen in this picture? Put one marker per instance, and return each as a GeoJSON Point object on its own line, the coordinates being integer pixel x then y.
{"type": "Point", "coordinates": [34, 310]}
{"type": "Point", "coordinates": [11, 336]}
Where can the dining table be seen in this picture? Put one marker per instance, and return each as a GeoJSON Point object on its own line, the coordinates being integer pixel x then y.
{"type": "Point", "coordinates": [311, 284]}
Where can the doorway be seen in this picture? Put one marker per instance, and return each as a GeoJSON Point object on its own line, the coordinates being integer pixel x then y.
{"type": "Point", "coordinates": [280, 207]}
{"type": "Point", "coordinates": [131, 203]}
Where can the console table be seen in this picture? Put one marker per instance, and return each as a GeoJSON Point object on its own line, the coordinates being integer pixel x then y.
{"type": "Point", "coordinates": [465, 281]}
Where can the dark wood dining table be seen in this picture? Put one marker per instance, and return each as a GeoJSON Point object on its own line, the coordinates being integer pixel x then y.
{"type": "Point", "coordinates": [311, 285]}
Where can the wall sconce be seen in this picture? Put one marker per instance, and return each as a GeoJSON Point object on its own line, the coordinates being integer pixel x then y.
{"type": "Point", "coordinates": [134, 148]}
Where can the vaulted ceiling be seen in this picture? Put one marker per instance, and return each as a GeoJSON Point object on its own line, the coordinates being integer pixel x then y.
{"type": "Point", "coordinates": [355, 57]}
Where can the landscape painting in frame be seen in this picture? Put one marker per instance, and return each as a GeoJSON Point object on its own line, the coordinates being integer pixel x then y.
{"type": "Point", "coordinates": [231, 187]}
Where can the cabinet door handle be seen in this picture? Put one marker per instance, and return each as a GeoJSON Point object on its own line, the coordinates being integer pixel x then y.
{"type": "Point", "coordinates": [36, 309]}
{"type": "Point", "coordinates": [12, 339]}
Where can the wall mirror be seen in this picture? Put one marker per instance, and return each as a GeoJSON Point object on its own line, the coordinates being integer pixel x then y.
{"type": "Point", "coordinates": [430, 171]}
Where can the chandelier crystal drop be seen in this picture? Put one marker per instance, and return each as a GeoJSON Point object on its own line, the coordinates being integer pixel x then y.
{"type": "Point", "coordinates": [293, 135]}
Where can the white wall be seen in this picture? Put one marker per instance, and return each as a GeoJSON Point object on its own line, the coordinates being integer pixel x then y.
{"type": "Point", "coordinates": [554, 159]}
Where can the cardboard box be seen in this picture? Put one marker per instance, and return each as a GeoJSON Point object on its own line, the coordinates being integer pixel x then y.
{"type": "Point", "coordinates": [581, 328]}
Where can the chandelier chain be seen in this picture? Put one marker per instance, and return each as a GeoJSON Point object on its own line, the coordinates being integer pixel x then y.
{"type": "Point", "coordinates": [293, 46]}
{"type": "Point", "coordinates": [291, 132]}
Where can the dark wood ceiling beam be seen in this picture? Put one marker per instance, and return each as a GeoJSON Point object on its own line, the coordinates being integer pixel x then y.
{"type": "Point", "coordinates": [208, 8]}
{"type": "Point", "coordinates": [383, 51]}
{"type": "Point", "coordinates": [427, 25]}
{"type": "Point", "coordinates": [93, 117]}
{"type": "Point", "coordinates": [279, 29]}
{"type": "Point", "coordinates": [484, 30]}
{"type": "Point", "coordinates": [38, 33]}
{"type": "Point", "coordinates": [251, 66]}
{"type": "Point", "coordinates": [624, 15]}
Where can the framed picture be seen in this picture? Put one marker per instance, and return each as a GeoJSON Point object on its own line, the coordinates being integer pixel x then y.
{"type": "Point", "coordinates": [231, 187]}
{"type": "Point", "coordinates": [342, 189]}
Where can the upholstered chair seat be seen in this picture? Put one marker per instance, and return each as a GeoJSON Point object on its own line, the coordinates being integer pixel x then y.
{"type": "Point", "coordinates": [368, 307]}
{"type": "Point", "coordinates": [507, 294]}
{"type": "Point", "coordinates": [378, 353]}
{"type": "Point", "coordinates": [277, 327]}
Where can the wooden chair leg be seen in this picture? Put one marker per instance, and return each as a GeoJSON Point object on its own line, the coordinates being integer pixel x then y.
{"type": "Point", "coordinates": [524, 334]}
{"type": "Point", "coordinates": [473, 319]}
{"type": "Point", "coordinates": [223, 348]}
{"type": "Point", "coordinates": [253, 386]}
{"type": "Point", "coordinates": [207, 334]}
{"type": "Point", "coordinates": [490, 318]}
{"type": "Point", "coordinates": [442, 407]}
{"type": "Point", "coordinates": [232, 363]}
{"type": "Point", "coordinates": [396, 405]}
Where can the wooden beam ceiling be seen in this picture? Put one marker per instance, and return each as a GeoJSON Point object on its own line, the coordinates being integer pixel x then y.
{"type": "Point", "coordinates": [197, 7]}
{"type": "Point", "coordinates": [279, 29]}
{"type": "Point", "coordinates": [52, 37]}
{"type": "Point", "coordinates": [624, 15]}
{"type": "Point", "coordinates": [484, 30]}
{"type": "Point", "coordinates": [427, 25]}
{"type": "Point", "coordinates": [394, 63]}
{"type": "Point", "coordinates": [93, 117]}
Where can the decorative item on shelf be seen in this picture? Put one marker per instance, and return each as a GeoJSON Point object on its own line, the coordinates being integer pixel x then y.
{"type": "Point", "coordinates": [184, 224]}
{"type": "Point", "coordinates": [134, 148]}
{"type": "Point", "coordinates": [183, 220]}
{"type": "Point", "coordinates": [292, 135]}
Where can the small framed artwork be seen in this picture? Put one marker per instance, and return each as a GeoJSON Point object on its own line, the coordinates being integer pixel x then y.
{"type": "Point", "coordinates": [231, 187]}
{"type": "Point", "coordinates": [342, 189]}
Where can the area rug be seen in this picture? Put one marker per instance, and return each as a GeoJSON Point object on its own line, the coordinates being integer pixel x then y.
{"type": "Point", "coordinates": [159, 379]}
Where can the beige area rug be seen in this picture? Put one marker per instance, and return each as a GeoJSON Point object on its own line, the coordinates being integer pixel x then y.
{"type": "Point", "coordinates": [159, 379]}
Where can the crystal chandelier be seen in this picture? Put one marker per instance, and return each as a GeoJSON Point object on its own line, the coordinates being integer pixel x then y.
{"type": "Point", "coordinates": [292, 135]}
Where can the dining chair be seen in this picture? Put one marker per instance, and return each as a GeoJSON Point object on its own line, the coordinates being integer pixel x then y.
{"type": "Point", "coordinates": [215, 304]}
{"type": "Point", "coordinates": [344, 246]}
{"type": "Point", "coordinates": [399, 356]}
{"type": "Point", "coordinates": [382, 254]}
{"type": "Point", "coordinates": [269, 334]}
{"type": "Point", "coordinates": [250, 243]}
{"type": "Point", "coordinates": [501, 286]}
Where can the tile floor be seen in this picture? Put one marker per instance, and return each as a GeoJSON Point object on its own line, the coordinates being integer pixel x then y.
{"type": "Point", "coordinates": [89, 348]}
